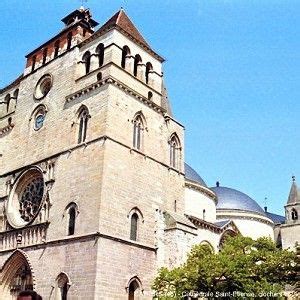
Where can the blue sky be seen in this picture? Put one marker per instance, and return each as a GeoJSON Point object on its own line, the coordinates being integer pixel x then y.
{"type": "Point", "coordinates": [232, 70]}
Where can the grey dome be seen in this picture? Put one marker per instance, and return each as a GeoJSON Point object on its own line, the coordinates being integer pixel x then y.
{"type": "Point", "coordinates": [232, 199]}
{"type": "Point", "coordinates": [192, 175]}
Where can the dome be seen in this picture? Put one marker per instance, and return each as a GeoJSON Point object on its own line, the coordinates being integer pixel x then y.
{"type": "Point", "coordinates": [192, 175]}
{"type": "Point", "coordinates": [232, 199]}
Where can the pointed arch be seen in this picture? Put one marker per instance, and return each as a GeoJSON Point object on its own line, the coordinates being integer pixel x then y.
{"type": "Point", "coordinates": [16, 275]}
{"type": "Point", "coordinates": [136, 218]}
{"type": "Point", "coordinates": [227, 233]}
{"type": "Point", "coordinates": [62, 285]}
{"type": "Point", "coordinates": [83, 117]}
{"type": "Point", "coordinates": [134, 288]}
{"type": "Point", "coordinates": [175, 151]}
{"type": "Point", "coordinates": [100, 54]}
{"type": "Point", "coordinates": [139, 125]}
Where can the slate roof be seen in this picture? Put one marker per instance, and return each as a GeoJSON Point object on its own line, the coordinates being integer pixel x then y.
{"type": "Point", "coordinates": [229, 198]}
{"type": "Point", "coordinates": [277, 219]}
{"type": "Point", "coordinates": [294, 196]}
{"type": "Point", "coordinates": [191, 174]}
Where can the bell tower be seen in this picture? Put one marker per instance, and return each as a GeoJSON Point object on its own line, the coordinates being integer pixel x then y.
{"type": "Point", "coordinates": [290, 231]}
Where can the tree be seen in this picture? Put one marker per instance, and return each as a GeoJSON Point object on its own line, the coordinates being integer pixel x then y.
{"type": "Point", "coordinates": [244, 265]}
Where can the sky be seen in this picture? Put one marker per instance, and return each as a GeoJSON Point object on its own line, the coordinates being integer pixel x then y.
{"type": "Point", "coordinates": [232, 71]}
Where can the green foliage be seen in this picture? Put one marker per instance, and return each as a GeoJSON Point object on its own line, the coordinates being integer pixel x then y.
{"type": "Point", "coordinates": [243, 265]}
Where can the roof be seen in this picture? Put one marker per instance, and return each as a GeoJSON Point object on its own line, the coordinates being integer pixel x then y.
{"type": "Point", "coordinates": [294, 196]}
{"type": "Point", "coordinates": [229, 198]}
{"type": "Point", "coordinates": [222, 223]}
{"type": "Point", "coordinates": [277, 219]}
{"type": "Point", "coordinates": [192, 175]}
{"type": "Point", "coordinates": [121, 20]}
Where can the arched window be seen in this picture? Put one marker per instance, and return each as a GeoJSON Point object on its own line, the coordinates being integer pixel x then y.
{"type": "Point", "coordinates": [7, 101]}
{"type": "Point", "coordinates": [69, 40]}
{"type": "Point", "coordinates": [125, 56]}
{"type": "Point", "coordinates": [62, 286]}
{"type": "Point", "coordinates": [138, 128]}
{"type": "Point", "coordinates": [86, 58]}
{"type": "Point", "coordinates": [148, 69]}
{"type": "Point", "coordinates": [150, 95]}
{"type": "Point", "coordinates": [100, 54]}
{"type": "Point", "coordinates": [56, 48]}
{"type": "Point", "coordinates": [39, 117]}
{"type": "Point", "coordinates": [72, 216]}
{"type": "Point", "coordinates": [203, 212]}
{"type": "Point", "coordinates": [83, 123]}
{"type": "Point", "coordinates": [294, 214]}
{"type": "Point", "coordinates": [99, 76]}
{"type": "Point", "coordinates": [45, 55]}
{"type": "Point", "coordinates": [137, 61]}
{"type": "Point", "coordinates": [71, 213]}
{"type": "Point", "coordinates": [33, 62]}
{"type": "Point", "coordinates": [174, 151]}
{"type": "Point", "coordinates": [134, 226]}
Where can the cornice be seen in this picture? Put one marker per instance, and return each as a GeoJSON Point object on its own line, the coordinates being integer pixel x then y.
{"type": "Point", "coordinates": [111, 80]}
{"type": "Point", "coordinates": [195, 186]}
{"type": "Point", "coordinates": [6, 129]}
{"type": "Point", "coordinates": [259, 218]}
{"type": "Point", "coordinates": [142, 45]}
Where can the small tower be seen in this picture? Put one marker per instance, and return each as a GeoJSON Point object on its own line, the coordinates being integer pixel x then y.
{"type": "Point", "coordinates": [292, 209]}
{"type": "Point", "coordinates": [290, 231]}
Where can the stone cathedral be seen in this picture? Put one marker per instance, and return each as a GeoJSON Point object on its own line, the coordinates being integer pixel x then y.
{"type": "Point", "coordinates": [95, 194]}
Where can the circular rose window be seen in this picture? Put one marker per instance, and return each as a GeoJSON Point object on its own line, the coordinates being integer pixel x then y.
{"type": "Point", "coordinates": [26, 198]}
{"type": "Point", "coordinates": [43, 87]}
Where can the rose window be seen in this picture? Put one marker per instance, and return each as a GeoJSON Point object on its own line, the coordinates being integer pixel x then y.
{"type": "Point", "coordinates": [31, 199]}
{"type": "Point", "coordinates": [26, 198]}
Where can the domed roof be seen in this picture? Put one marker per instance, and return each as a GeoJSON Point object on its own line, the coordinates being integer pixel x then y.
{"type": "Point", "coordinates": [232, 199]}
{"type": "Point", "coordinates": [191, 174]}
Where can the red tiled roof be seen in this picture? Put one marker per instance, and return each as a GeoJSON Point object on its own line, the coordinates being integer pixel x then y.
{"type": "Point", "coordinates": [121, 20]}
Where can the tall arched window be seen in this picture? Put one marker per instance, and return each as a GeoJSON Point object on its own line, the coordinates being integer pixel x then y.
{"type": "Point", "coordinates": [149, 68]}
{"type": "Point", "coordinates": [7, 101]}
{"type": "Point", "coordinates": [137, 61]}
{"type": "Point", "coordinates": [72, 216]}
{"type": "Point", "coordinates": [100, 54]}
{"type": "Point", "coordinates": [174, 151]}
{"type": "Point", "coordinates": [138, 128]}
{"type": "Point", "coordinates": [56, 48]}
{"type": "Point", "coordinates": [83, 123]}
{"type": "Point", "coordinates": [134, 226]}
{"type": "Point", "coordinates": [62, 288]}
{"type": "Point", "coordinates": [71, 212]}
{"type": "Point", "coordinates": [33, 62]}
{"type": "Point", "coordinates": [69, 40]}
{"type": "Point", "coordinates": [86, 58]}
{"type": "Point", "coordinates": [294, 214]}
{"type": "Point", "coordinates": [125, 56]}
{"type": "Point", "coordinates": [45, 52]}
